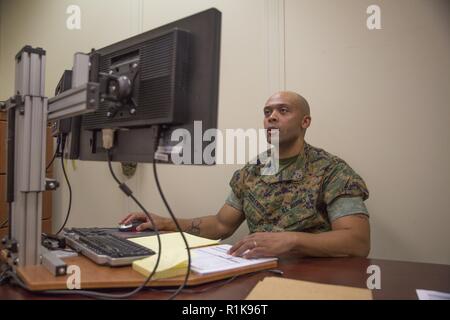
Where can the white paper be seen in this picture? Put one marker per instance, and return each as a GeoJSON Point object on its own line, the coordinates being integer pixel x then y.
{"type": "Point", "coordinates": [215, 259]}
{"type": "Point", "coordinates": [432, 295]}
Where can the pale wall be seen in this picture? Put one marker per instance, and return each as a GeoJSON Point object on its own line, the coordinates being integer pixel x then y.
{"type": "Point", "coordinates": [380, 100]}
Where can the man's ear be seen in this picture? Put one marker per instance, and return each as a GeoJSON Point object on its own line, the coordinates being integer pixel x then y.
{"type": "Point", "coordinates": [306, 122]}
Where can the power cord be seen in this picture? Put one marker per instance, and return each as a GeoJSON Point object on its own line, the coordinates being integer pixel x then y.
{"type": "Point", "coordinates": [58, 144]}
{"type": "Point", "coordinates": [101, 295]}
{"type": "Point", "coordinates": [4, 223]}
{"type": "Point", "coordinates": [128, 192]}
{"type": "Point", "coordinates": [221, 284]}
{"type": "Point", "coordinates": [9, 274]}
{"type": "Point", "coordinates": [218, 285]}
{"type": "Point", "coordinates": [94, 294]}
{"type": "Point", "coordinates": [63, 144]}
{"type": "Point", "coordinates": [157, 134]}
{"type": "Point", "coordinates": [108, 142]}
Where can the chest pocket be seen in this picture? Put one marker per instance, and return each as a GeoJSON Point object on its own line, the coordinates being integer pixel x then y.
{"type": "Point", "coordinates": [281, 206]}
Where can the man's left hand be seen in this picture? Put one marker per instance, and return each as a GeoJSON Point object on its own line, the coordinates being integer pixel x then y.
{"type": "Point", "coordinates": [263, 244]}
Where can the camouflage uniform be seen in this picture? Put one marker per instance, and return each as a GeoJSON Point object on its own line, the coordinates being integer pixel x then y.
{"type": "Point", "coordinates": [301, 196]}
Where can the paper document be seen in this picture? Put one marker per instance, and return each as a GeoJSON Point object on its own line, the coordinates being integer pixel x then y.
{"type": "Point", "coordinates": [215, 259]}
{"type": "Point", "coordinates": [432, 295]}
{"type": "Point", "coordinates": [174, 256]}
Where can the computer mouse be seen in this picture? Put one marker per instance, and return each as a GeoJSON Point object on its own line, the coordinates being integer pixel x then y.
{"type": "Point", "coordinates": [129, 227]}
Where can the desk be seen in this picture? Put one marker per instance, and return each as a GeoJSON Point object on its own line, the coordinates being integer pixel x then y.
{"type": "Point", "coordinates": [399, 280]}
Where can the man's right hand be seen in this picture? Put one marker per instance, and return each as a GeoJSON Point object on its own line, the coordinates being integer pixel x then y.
{"type": "Point", "coordinates": [146, 224]}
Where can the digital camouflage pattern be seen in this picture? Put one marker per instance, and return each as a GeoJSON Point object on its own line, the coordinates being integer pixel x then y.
{"type": "Point", "coordinates": [296, 198]}
{"type": "Point", "coordinates": [129, 169]}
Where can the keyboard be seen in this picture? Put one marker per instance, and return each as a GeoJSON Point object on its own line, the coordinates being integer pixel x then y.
{"type": "Point", "coordinates": [105, 248]}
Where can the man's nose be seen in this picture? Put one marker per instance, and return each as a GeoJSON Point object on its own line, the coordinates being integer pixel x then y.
{"type": "Point", "coordinates": [273, 117]}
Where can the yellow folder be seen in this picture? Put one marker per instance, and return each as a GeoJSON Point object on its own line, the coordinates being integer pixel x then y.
{"type": "Point", "coordinates": [272, 288]}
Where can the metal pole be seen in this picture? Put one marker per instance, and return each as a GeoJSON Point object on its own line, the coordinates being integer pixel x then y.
{"type": "Point", "coordinates": [29, 158]}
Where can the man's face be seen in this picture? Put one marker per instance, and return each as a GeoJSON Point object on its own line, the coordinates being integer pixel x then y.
{"type": "Point", "coordinates": [280, 112]}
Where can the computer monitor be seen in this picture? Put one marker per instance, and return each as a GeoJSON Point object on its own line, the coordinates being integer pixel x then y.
{"type": "Point", "coordinates": [168, 76]}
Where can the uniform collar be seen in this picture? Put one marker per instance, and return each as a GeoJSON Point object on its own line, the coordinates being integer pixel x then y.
{"type": "Point", "coordinates": [293, 172]}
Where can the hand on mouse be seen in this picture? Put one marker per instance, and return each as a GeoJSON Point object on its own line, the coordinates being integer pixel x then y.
{"type": "Point", "coordinates": [146, 224]}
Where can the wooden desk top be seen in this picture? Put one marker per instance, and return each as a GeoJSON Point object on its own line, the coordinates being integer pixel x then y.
{"type": "Point", "coordinates": [399, 280]}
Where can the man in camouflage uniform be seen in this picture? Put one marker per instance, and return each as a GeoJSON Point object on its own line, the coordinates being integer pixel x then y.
{"type": "Point", "coordinates": [313, 205]}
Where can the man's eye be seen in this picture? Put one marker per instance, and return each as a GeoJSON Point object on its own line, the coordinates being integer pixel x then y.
{"type": "Point", "coordinates": [284, 110]}
{"type": "Point", "coordinates": [267, 112]}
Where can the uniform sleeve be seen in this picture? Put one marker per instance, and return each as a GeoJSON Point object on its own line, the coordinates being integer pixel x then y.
{"type": "Point", "coordinates": [343, 182]}
{"type": "Point", "coordinates": [233, 201]}
{"type": "Point", "coordinates": [345, 206]}
{"type": "Point", "coordinates": [237, 184]}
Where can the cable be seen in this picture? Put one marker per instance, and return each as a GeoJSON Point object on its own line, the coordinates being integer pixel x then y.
{"type": "Point", "coordinates": [198, 291]}
{"type": "Point", "coordinates": [4, 223]}
{"type": "Point", "coordinates": [54, 155]}
{"type": "Point", "coordinates": [100, 295]}
{"type": "Point", "coordinates": [155, 174]}
{"type": "Point", "coordinates": [3, 277]}
{"type": "Point", "coordinates": [221, 284]}
{"type": "Point", "coordinates": [68, 185]}
{"type": "Point", "coordinates": [51, 161]}
{"type": "Point", "coordinates": [94, 294]}
{"type": "Point", "coordinates": [128, 192]}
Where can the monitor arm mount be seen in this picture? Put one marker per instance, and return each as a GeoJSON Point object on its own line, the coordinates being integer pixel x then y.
{"type": "Point", "coordinates": [29, 111]}
{"type": "Point", "coordinates": [117, 89]}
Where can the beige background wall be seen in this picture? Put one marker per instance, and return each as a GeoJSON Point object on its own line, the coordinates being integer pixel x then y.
{"type": "Point", "coordinates": [379, 99]}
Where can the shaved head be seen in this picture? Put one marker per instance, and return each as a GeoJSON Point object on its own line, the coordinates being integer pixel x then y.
{"type": "Point", "coordinates": [288, 112]}
{"type": "Point", "coordinates": [295, 100]}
